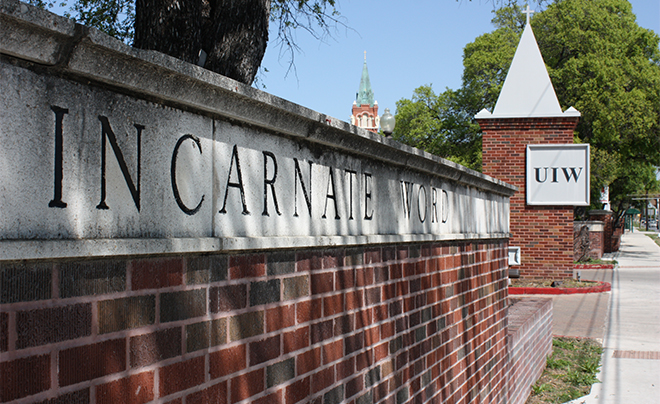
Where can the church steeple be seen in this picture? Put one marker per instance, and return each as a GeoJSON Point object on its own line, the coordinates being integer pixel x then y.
{"type": "Point", "coordinates": [365, 95]}
{"type": "Point", "coordinates": [365, 107]}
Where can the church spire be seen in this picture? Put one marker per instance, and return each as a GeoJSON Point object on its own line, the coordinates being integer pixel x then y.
{"type": "Point", "coordinates": [365, 108]}
{"type": "Point", "coordinates": [365, 95]}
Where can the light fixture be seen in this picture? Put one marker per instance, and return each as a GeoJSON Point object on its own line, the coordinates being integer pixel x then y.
{"type": "Point", "coordinates": [387, 123]}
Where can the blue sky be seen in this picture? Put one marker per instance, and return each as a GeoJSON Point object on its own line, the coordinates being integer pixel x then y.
{"type": "Point", "coordinates": [408, 44]}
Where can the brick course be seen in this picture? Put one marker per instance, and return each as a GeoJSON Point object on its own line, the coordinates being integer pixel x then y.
{"type": "Point", "coordinates": [153, 347]}
{"type": "Point", "coordinates": [421, 322]}
{"type": "Point", "coordinates": [24, 377]}
{"type": "Point", "coordinates": [88, 362]}
{"type": "Point", "coordinates": [135, 389]}
{"type": "Point", "coordinates": [44, 326]}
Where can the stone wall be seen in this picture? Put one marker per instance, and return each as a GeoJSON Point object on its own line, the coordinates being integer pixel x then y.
{"type": "Point", "coordinates": [170, 235]}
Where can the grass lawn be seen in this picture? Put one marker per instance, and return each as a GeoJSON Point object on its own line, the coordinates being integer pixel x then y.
{"type": "Point", "coordinates": [655, 238]}
{"type": "Point", "coordinates": [570, 371]}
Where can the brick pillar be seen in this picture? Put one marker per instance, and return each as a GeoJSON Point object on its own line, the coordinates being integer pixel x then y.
{"type": "Point", "coordinates": [605, 216]}
{"type": "Point", "coordinates": [544, 233]}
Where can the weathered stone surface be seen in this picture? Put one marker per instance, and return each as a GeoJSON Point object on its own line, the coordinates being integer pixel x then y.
{"type": "Point", "coordinates": [193, 161]}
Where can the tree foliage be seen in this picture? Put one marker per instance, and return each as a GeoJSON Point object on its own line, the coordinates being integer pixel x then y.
{"type": "Point", "coordinates": [226, 36]}
{"type": "Point", "coordinates": [439, 125]}
{"type": "Point", "coordinates": [600, 62]}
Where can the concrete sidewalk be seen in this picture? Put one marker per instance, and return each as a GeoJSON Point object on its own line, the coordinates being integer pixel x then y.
{"type": "Point", "coordinates": [630, 371]}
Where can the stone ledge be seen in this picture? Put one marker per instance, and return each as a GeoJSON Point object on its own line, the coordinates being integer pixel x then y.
{"type": "Point", "coordinates": [55, 249]}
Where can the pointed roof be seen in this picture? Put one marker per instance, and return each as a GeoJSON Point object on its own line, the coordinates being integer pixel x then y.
{"type": "Point", "coordinates": [527, 90]}
{"type": "Point", "coordinates": [365, 95]}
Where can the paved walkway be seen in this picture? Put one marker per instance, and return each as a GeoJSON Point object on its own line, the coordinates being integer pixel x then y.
{"type": "Point", "coordinates": [630, 371]}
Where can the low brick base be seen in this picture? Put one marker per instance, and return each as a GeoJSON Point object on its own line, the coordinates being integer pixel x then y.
{"type": "Point", "coordinates": [401, 323]}
{"type": "Point", "coordinates": [529, 343]}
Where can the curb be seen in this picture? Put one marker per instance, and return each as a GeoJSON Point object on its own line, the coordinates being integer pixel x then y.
{"type": "Point", "coordinates": [599, 288]}
{"type": "Point", "coordinates": [593, 266]}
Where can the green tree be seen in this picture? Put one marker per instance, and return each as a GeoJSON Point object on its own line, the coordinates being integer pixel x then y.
{"type": "Point", "coordinates": [444, 124]}
{"type": "Point", "coordinates": [608, 68]}
{"type": "Point", "coordinates": [226, 36]}
{"type": "Point", "coordinates": [439, 125]}
{"type": "Point", "coordinates": [602, 63]}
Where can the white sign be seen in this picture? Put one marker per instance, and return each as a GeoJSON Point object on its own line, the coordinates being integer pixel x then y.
{"type": "Point", "coordinates": [605, 194]}
{"type": "Point", "coordinates": [514, 256]}
{"type": "Point", "coordinates": [557, 174]}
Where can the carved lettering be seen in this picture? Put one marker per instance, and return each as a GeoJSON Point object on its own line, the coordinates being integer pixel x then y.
{"type": "Point", "coordinates": [421, 202]}
{"type": "Point", "coordinates": [58, 168]}
{"type": "Point", "coordinates": [270, 182]}
{"type": "Point", "coordinates": [308, 197]}
{"type": "Point", "coordinates": [537, 170]}
{"type": "Point", "coordinates": [175, 188]}
{"type": "Point", "coordinates": [356, 189]}
{"type": "Point", "coordinates": [406, 197]}
{"type": "Point", "coordinates": [239, 184]}
{"type": "Point", "coordinates": [329, 195]}
{"type": "Point", "coordinates": [434, 205]}
{"type": "Point", "coordinates": [367, 197]}
{"type": "Point", "coordinates": [351, 174]}
{"type": "Point", "coordinates": [573, 173]}
{"type": "Point", "coordinates": [569, 173]}
{"type": "Point", "coordinates": [106, 132]}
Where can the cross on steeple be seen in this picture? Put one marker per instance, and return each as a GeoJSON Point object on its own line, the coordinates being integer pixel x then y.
{"type": "Point", "coordinates": [529, 12]}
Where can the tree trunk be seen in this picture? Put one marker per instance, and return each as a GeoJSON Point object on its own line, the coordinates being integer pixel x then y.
{"type": "Point", "coordinates": [233, 33]}
{"type": "Point", "coordinates": [173, 27]}
{"type": "Point", "coordinates": [235, 37]}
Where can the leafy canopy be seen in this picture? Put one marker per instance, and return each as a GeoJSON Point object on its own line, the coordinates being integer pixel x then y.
{"type": "Point", "coordinates": [117, 18]}
{"type": "Point", "coordinates": [600, 62]}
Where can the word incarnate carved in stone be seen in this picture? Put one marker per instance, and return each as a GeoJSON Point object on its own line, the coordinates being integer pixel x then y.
{"type": "Point", "coordinates": [430, 201]}
{"type": "Point", "coordinates": [573, 174]}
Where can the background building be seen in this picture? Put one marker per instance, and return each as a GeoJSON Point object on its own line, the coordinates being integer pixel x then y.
{"type": "Point", "coordinates": [365, 108]}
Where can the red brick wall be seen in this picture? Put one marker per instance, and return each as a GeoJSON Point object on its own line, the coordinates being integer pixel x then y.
{"type": "Point", "coordinates": [529, 343]}
{"type": "Point", "coordinates": [596, 241]}
{"type": "Point", "coordinates": [589, 240]}
{"type": "Point", "coordinates": [405, 323]}
{"type": "Point", "coordinates": [612, 232]}
{"type": "Point", "coordinates": [544, 233]}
